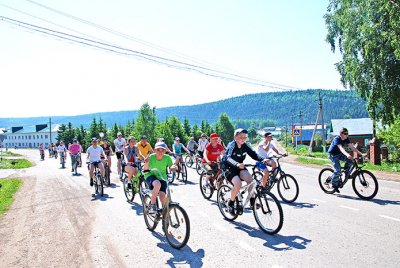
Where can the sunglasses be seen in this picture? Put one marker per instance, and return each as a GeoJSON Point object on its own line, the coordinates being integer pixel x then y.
{"type": "Point", "coordinates": [345, 133]}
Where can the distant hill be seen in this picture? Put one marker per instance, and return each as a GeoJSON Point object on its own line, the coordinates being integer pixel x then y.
{"type": "Point", "coordinates": [283, 107]}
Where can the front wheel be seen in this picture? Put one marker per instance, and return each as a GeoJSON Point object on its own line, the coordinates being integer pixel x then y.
{"type": "Point", "coordinates": [184, 173]}
{"type": "Point", "coordinates": [223, 196]}
{"type": "Point", "coordinates": [268, 213]}
{"type": "Point", "coordinates": [199, 168]}
{"type": "Point", "coordinates": [107, 176]}
{"type": "Point", "coordinates": [188, 161]}
{"type": "Point", "coordinates": [206, 188]}
{"type": "Point", "coordinates": [129, 190]}
{"type": "Point", "coordinates": [150, 219]}
{"type": "Point", "coordinates": [288, 189]}
{"type": "Point", "coordinates": [365, 184]}
{"type": "Point", "coordinates": [176, 226]}
{"type": "Point", "coordinates": [325, 180]}
{"type": "Point", "coordinates": [100, 184]}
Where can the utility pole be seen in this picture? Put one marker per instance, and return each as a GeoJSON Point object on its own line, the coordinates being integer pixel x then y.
{"type": "Point", "coordinates": [323, 124]}
{"type": "Point", "coordinates": [301, 127]}
{"type": "Point", "coordinates": [50, 129]}
{"type": "Point", "coordinates": [320, 114]}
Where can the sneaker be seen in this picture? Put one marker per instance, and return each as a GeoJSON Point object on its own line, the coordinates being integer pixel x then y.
{"type": "Point", "coordinates": [231, 208]}
{"type": "Point", "coordinates": [152, 209]}
{"type": "Point", "coordinates": [129, 185]}
{"type": "Point", "coordinates": [335, 189]}
{"type": "Point", "coordinates": [91, 181]}
{"type": "Point", "coordinates": [72, 170]}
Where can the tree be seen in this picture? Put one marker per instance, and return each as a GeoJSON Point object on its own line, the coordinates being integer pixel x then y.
{"type": "Point", "coordinates": [163, 131]}
{"type": "Point", "coordinates": [146, 122]}
{"type": "Point", "coordinates": [196, 132]}
{"type": "Point", "coordinates": [391, 137]}
{"type": "Point", "coordinates": [253, 135]}
{"type": "Point", "coordinates": [186, 127]}
{"type": "Point", "coordinates": [225, 128]}
{"type": "Point", "coordinates": [176, 127]}
{"type": "Point", "coordinates": [367, 35]}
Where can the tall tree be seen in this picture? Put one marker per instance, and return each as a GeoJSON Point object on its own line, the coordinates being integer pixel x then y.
{"type": "Point", "coordinates": [186, 127]}
{"type": "Point", "coordinates": [367, 34]}
{"type": "Point", "coordinates": [176, 128]}
{"type": "Point", "coordinates": [225, 128]}
{"type": "Point", "coordinates": [146, 122]}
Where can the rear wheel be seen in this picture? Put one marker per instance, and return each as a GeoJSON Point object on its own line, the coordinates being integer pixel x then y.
{"type": "Point", "coordinates": [365, 184]}
{"type": "Point", "coordinates": [288, 189]}
{"type": "Point", "coordinates": [223, 196]}
{"type": "Point", "coordinates": [206, 188]}
{"type": "Point", "coordinates": [268, 213]}
{"type": "Point", "coordinates": [325, 180]}
{"type": "Point", "coordinates": [129, 192]}
{"type": "Point", "coordinates": [176, 226]}
{"type": "Point", "coordinates": [149, 219]}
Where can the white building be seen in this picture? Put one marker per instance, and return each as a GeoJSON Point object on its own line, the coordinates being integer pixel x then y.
{"type": "Point", "coordinates": [30, 137]}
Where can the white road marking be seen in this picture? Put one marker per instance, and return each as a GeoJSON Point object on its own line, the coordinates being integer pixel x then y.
{"type": "Point", "coordinates": [245, 246]}
{"type": "Point", "coordinates": [355, 209]}
{"type": "Point", "coordinates": [219, 227]}
{"type": "Point", "coordinates": [390, 218]}
{"type": "Point", "coordinates": [319, 200]}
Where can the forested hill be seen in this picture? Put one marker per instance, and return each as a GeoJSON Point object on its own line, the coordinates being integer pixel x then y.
{"type": "Point", "coordinates": [277, 106]}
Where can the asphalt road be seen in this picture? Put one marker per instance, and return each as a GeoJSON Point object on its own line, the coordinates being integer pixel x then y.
{"type": "Point", "coordinates": [319, 230]}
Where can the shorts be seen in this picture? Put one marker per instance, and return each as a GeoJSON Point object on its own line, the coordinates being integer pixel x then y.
{"type": "Point", "coordinates": [119, 155]}
{"type": "Point", "coordinates": [153, 178]}
{"type": "Point", "coordinates": [211, 169]}
{"type": "Point", "coordinates": [201, 154]}
{"type": "Point", "coordinates": [232, 173]}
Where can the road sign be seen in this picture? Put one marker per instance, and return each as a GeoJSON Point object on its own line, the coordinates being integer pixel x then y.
{"type": "Point", "coordinates": [296, 132]}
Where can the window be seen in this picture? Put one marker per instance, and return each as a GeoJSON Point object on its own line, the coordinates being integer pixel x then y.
{"type": "Point", "coordinates": [37, 136]}
{"type": "Point", "coordinates": [41, 136]}
{"type": "Point", "coordinates": [46, 136]}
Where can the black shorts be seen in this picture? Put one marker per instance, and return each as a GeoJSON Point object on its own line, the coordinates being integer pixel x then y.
{"type": "Point", "coordinates": [119, 155]}
{"type": "Point", "coordinates": [201, 153]}
{"type": "Point", "coordinates": [211, 169]}
{"type": "Point", "coordinates": [152, 178]}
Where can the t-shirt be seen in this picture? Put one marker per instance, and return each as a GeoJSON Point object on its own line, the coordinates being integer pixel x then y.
{"type": "Point", "coordinates": [334, 149]}
{"type": "Point", "coordinates": [74, 149]}
{"type": "Point", "coordinates": [119, 144]}
{"type": "Point", "coordinates": [106, 149]}
{"type": "Point", "coordinates": [265, 153]}
{"type": "Point", "coordinates": [94, 154]}
{"type": "Point", "coordinates": [160, 165]}
{"type": "Point", "coordinates": [61, 148]}
{"type": "Point", "coordinates": [190, 145]}
{"type": "Point", "coordinates": [213, 152]}
{"type": "Point", "coordinates": [178, 148]}
{"type": "Point", "coordinates": [144, 150]}
{"type": "Point", "coordinates": [202, 144]}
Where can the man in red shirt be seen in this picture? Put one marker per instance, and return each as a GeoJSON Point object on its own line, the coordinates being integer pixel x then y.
{"type": "Point", "coordinates": [211, 154]}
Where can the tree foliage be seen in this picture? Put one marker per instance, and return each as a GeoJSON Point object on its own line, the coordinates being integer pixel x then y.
{"type": "Point", "coordinates": [367, 34]}
{"type": "Point", "coordinates": [391, 137]}
{"type": "Point", "coordinates": [225, 128]}
{"type": "Point", "coordinates": [146, 122]}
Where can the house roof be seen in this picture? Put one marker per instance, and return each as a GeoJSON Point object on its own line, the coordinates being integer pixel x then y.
{"type": "Point", "coordinates": [356, 126]}
{"type": "Point", "coordinates": [32, 129]}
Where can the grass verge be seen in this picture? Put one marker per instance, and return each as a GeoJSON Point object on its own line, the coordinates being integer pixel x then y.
{"type": "Point", "coordinates": [8, 153]}
{"type": "Point", "coordinates": [313, 161]}
{"type": "Point", "coordinates": [8, 188]}
{"type": "Point", "coordinates": [14, 163]}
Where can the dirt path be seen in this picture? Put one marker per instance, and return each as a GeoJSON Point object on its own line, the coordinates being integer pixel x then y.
{"type": "Point", "coordinates": [50, 222]}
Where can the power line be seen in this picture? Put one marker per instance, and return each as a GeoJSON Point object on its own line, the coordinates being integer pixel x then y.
{"type": "Point", "coordinates": [153, 58]}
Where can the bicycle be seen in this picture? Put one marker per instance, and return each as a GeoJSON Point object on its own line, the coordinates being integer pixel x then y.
{"type": "Point", "coordinates": [107, 172]}
{"type": "Point", "coordinates": [173, 218]}
{"type": "Point", "coordinates": [190, 159]}
{"type": "Point", "coordinates": [97, 180]}
{"type": "Point", "coordinates": [42, 155]}
{"type": "Point", "coordinates": [364, 183]}
{"type": "Point", "coordinates": [138, 184]}
{"type": "Point", "coordinates": [182, 170]}
{"type": "Point", "coordinates": [266, 208]}
{"type": "Point", "coordinates": [75, 163]}
{"type": "Point", "coordinates": [62, 159]}
{"type": "Point", "coordinates": [288, 188]}
{"type": "Point", "coordinates": [215, 181]}
{"type": "Point", "coordinates": [122, 167]}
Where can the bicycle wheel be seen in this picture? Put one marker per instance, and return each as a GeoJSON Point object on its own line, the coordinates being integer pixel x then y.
{"type": "Point", "coordinates": [143, 188]}
{"type": "Point", "coordinates": [107, 176]}
{"type": "Point", "coordinates": [258, 175]}
{"type": "Point", "coordinates": [176, 226]}
{"type": "Point", "coordinates": [268, 213]}
{"type": "Point", "coordinates": [99, 180]}
{"type": "Point", "coordinates": [206, 188]}
{"type": "Point", "coordinates": [288, 189]}
{"type": "Point", "coordinates": [199, 168]}
{"type": "Point", "coordinates": [149, 219]}
{"type": "Point", "coordinates": [325, 180]}
{"type": "Point", "coordinates": [223, 196]}
{"type": "Point", "coordinates": [96, 186]}
{"type": "Point", "coordinates": [184, 173]}
{"type": "Point", "coordinates": [188, 161]}
{"type": "Point", "coordinates": [63, 163]}
{"type": "Point", "coordinates": [365, 184]}
{"type": "Point", "coordinates": [129, 192]}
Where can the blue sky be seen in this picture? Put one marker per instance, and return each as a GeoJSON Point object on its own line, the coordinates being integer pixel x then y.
{"type": "Point", "coordinates": [281, 42]}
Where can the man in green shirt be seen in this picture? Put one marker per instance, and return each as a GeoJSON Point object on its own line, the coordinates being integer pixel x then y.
{"type": "Point", "coordinates": [156, 176]}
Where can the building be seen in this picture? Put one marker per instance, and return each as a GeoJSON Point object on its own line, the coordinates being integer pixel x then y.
{"type": "Point", "coordinates": [306, 133]}
{"type": "Point", "coordinates": [360, 129]}
{"type": "Point", "coordinates": [30, 136]}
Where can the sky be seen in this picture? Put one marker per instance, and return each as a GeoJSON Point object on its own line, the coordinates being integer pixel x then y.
{"type": "Point", "coordinates": [279, 43]}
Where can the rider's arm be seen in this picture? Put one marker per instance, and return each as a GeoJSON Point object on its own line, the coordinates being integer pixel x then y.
{"type": "Point", "coordinates": [229, 160]}
{"type": "Point", "coordinates": [252, 153]}
{"type": "Point", "coordinates": [205, 156]}
{"type": "Point", "coordinates": [184, 148]}
{"type": "Point", "coordinates": [343, 150]}
{"type": "Point", "coordinates": [354, 149]}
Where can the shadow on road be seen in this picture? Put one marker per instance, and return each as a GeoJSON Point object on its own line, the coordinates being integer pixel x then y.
{"type": "Point", "coordinates": [101, 198]}
{"type": "Point", "coordinates": [180, 257]}
{"type": "Point", "coordinates": [138, 208]}
{"type": "Point", "coordinates": [276, 242]}
{"type": "Point", "coordinates": [113, 185]}
{"type": "Point", "coordinates": [300, 205]}
{"type": "Point", "coordinates": [381, 202]}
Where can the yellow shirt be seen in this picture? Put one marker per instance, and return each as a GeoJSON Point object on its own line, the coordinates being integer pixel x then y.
{"type": "Point", "coordinates": [144, 150]}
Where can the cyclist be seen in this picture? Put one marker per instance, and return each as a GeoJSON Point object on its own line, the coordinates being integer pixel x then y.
{"type": "Point", "coordinates": [202, 144]}
{"type": "Point", "coordinates": [177, 149]}
{"type": "Point", "coordinates": [265, 149]}
{"type": "Point", "coordinates": [144, 147]}
{"type": "Point", "coordinates": [337, 153]}
{"type": "Point", "coordinates": [212, 153]}
{"type": "Point", "coordinates": [190, 146]}
{"type": "Point", "coordinates": [108, 151]}
{"type": "Point", "coordinates": [233, 160]}
{"type": "Point", "coordinates": [41, 150]}
{"type": "Point", "coordinates": [119, 143]}
{"type": "Point", "coordinates": [62, 150]}
{"type": "Point", "coordinates": [74, 151]}
{"type": "Point", "coordinates": [155, 169]}
{"type": "Point", "coordinates": [163, 140]}
{"type": "Point", "coordinates": [94, 154]}
{"type": "Point", "coordinates": [131, 152]}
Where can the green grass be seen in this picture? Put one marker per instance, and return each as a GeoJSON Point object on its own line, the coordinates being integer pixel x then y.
{"type": "Point", "coordinates": [385, 166]}
{"type": "Point", "coordinates": [8, 153]}
{"type": "Point", "coordinates": [7, 190]}
{"type": "Point", "coordinates": [313, 161]}
{"type": "Point", "coordinates": [14, 163]}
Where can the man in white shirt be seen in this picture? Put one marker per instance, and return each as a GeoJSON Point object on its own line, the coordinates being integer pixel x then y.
{"type": "Point", "coordinates": [62, 151]}
{"type": "Point", "coordinates": [265, 149]}
{"type": "Point", "coordinates": [202, 144]}
{"type": "Point", "coordinates": [94, 154]}
{"type": "Point", "coordinates": [119, 143]}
